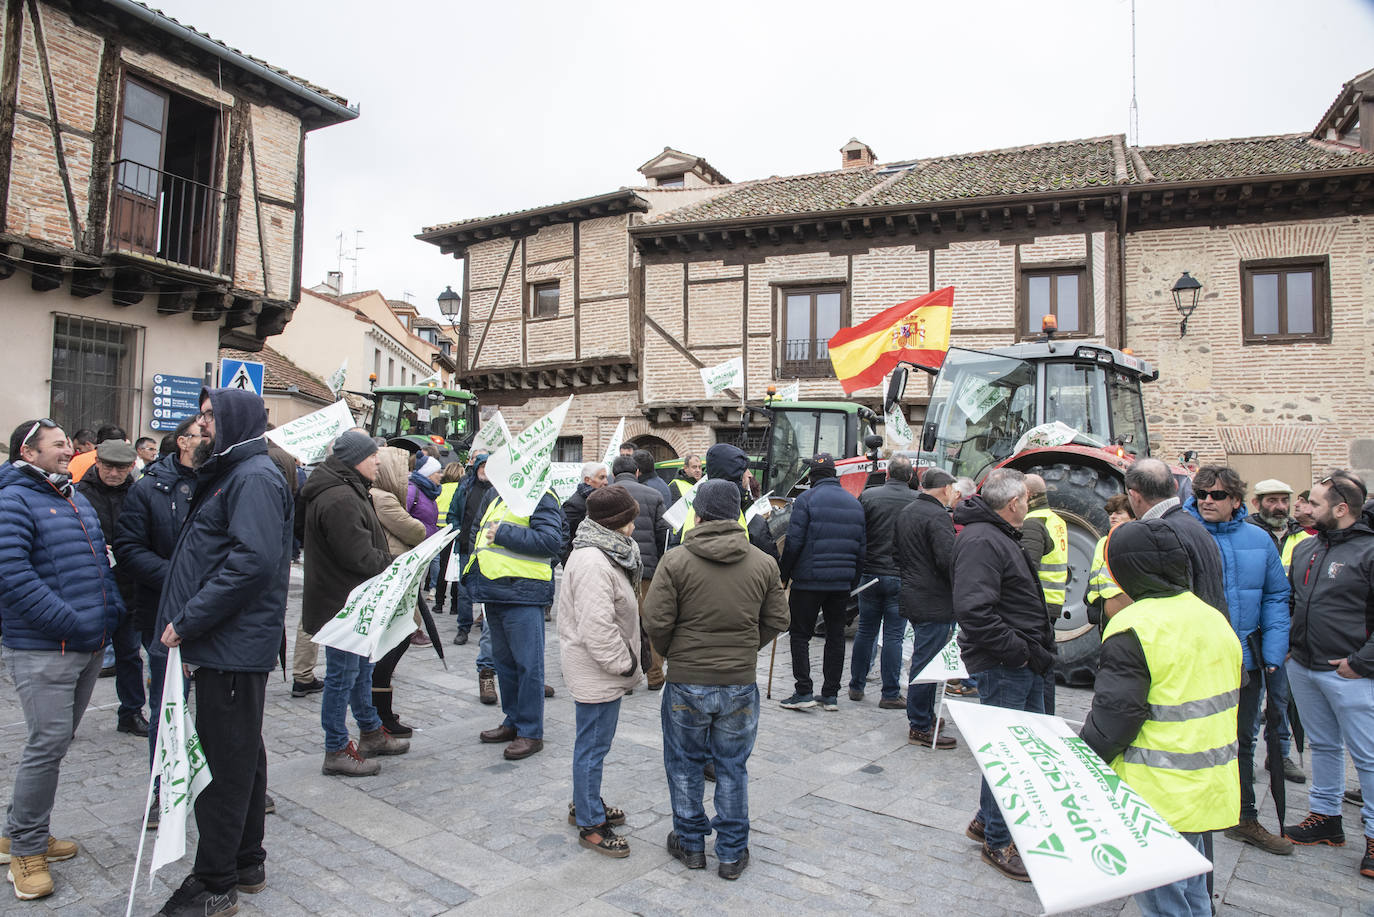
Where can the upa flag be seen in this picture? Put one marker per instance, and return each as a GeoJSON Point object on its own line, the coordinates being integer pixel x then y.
{"type": "Point", "coordinates": [180, 764]}
{"type": "Point", "coordinates": [520, 470]}
{"type": "Point", "coordinates": [564, 478]}
{"type": "Point", "coordinates": [916, 331]}
{"type": "Point", "coordinates": [613, 447]}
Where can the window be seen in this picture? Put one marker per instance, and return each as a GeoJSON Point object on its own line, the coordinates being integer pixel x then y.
{"type": "Point", "coordinates": [567, 449]}
{"type": "Point", "coordinates": [672, 181]}
{"type": "Point", "coordinates": [753, 442]}
{"type": "Point", "coordinates": [377, 364]}
{"type": "Point", "coordinates": [1061, 292]}
{"type": "Point", "coordinates": [544, 300]}
{"type": "Point", "coordinates": [1075, 395]}
{"type": "Point", "coordinates": [810, 317]}
{"type": "Point", "coordinates": [390, 371]}
{"type": "Point", "coordinates": [95, 373]}
{"type": "Point", "coordinates": [1284, 300]}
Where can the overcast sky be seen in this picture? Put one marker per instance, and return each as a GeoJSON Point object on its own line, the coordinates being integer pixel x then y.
{"type": "Point", "coordinates": [472, 109]}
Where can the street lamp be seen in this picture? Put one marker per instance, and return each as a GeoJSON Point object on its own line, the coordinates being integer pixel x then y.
{"type": "Point", "coordinates": [450, 303]}
{"type": "Point", "coordinates": [1186, 290]}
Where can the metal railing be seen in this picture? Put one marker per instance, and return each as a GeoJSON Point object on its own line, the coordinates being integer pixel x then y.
{"type": "Point", "coordinates": [805, 357]}
{"type": "Point", "coordinates": [164, 215]}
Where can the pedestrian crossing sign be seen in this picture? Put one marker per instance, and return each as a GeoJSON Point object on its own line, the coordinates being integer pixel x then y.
{"type": "Point", "coordinates": [244, 374]}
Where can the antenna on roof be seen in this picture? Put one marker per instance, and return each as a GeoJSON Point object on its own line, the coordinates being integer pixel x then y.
{"type": "Point", "coordinates": [1134, 138]}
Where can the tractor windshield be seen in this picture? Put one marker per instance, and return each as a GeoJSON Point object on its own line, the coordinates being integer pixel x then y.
{"type": "Point", "coordinates": [980, 406]}
{"type": "Point", "coordinates": [427, 414]}
{"type": "Point", "coordinates": [1128, 413]}
{"type": "Point", "coordinates": [797, 435]}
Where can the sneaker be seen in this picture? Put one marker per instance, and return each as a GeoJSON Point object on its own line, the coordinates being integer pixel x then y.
{"type": "Point", "coordinates": [732, 869]}
{"type": "Point", "coordinates": [893, 703]}
{"type": "Point", "coordinates": [57, 850]}
{"type": "Point", "coordinates": [692, 859]}
{"type": "Point", "coordinates": [303, 688]}
{"type": "Point", "coordinates": [1317, 829]}
{"type": "Point", "coordinates": [918, 737]}
{"type": "Point", "coordinates": [252, 879]}
{"type": "Point", "coordinates": [1007, 861]}
{"type": "Point", "coordinates": [30, 877]}
{"type": "Point", "coordinates": [960, 689]}
{"type": "Point", "coordinates": [1367, 864]}
{"type": "Point", "coordinates": [193, 899]}
{"type": "Point", "coordinates": [1251, 832]}
{"type": "Point", "coordinates": [486, 686]}
{"type": "Point", "coordinates": [831, 703]}
{"type": "Point", "coordinates": [798, 702]}
{"type": "Point", "coordinates": [349, 762]}
{"type": "Point", "coordinates": [1291, 772]}
{"type": "Point", "coordinates": [378, 743]}
{"type": "Point", "coordinates": [976, 829]}
{"type": "Point", "coordinates": [856, 695]}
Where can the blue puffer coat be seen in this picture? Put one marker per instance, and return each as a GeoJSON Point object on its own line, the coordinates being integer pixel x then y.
{"type": "Point", "coordinates": [225, 591]}
{"type": "Point", "coordinates": [1256, 586]}
{"type": "Point", "coordinates": [57, 591]}
{"type": "Point", "coordinates": [543, 540]}
{"type": "Point", "coordinates": [826, 539]}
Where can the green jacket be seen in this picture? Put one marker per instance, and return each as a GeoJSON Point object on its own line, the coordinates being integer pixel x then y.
{"type": "Point", "coordinates": [713, 604]}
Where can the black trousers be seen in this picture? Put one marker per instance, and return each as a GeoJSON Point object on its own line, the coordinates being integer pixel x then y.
{"type": "Point", "coordinates": [805, 605]}
{"type": "Point", "coordinates": [230, 812]}
{"type": "Point", "coordinates": [386, 666]}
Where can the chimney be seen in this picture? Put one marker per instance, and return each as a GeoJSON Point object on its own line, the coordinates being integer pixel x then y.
{"type": "Point", "coordinates": [856, 155]}
{"type": "Point", "coordinates": [334, 280]}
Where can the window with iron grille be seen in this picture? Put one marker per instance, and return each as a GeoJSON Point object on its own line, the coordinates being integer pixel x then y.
{"type": "Point", "coordinates": [753, 442]}
{"type": "Point", "coordinates": [96, 371]}
{"type": "Point", "coordinates": [810, 317]}
{"type": "Point", "coordinates": [567, 449]}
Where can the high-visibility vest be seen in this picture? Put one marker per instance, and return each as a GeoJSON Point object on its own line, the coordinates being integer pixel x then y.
{"type": "Point", "coordinates": [1101, 586]}
{"type": "Point", "coordinates": [692, 521]}
{"type": "Point", "coordinates": [679, 487]}
{"type": "Point", "coordinates": [496, 562]}
{"type": "Point", "coordinates": [1054, 566]}
{"type": "Point", "coordinates": [1289, 543]}
{"type": "Point", "coordinates": [446, 494]}
{"type": "Point", "coordinates": [1183, 760]}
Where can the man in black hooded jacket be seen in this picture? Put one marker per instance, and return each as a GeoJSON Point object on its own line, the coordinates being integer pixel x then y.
{"type": "Point", "coordinates": [224, 604]}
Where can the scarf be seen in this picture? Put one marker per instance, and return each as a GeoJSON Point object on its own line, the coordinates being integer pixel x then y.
{"type": "Point", "coordinates": [621, 549]}
{"type": "Point", "coordinates": [425, 485]}
{"type": "Point", "coordinates": [61, 483]}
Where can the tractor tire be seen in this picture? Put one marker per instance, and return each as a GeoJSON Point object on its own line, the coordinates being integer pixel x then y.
{"type": "Point", "coordinates": [1078, 494]}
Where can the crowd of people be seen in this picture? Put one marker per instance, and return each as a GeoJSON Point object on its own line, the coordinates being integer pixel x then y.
{"type": "Point", "coordinates": [1214, 618]}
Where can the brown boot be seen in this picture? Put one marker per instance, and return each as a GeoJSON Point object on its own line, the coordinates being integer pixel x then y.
{"type": "Point", "coordinates": [349, 762]}
{"type": "Point", "coordinates": [1253, 833]}
{"type": "Point", "coordinates": [1007, 861]}
{"type": "Point", "coordinates": [379, 743]}
{"type": "Point", "coordinates": [522, 748]}
{"type": "Point", "coordinates": [30, 877]}
{"type": "Point", "coordinates": [486, 686]}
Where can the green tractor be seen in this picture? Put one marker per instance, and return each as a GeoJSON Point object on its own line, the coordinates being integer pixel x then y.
{"type": "Point", "coordinates": [798, 430]}
{"type": "Point", "coordinates": [414, 416]}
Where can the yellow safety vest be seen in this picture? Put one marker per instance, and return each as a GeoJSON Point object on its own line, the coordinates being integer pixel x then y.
{"type": "Point", "coordinates": [1101, 586]}
{"type": "Point", "coordinates": [1183, 760]}
{"type": "Point", "coordinates": [495, 561]}
{"type": "Point", "coordinates": [679, 487]}
{"type": "Point", "coordinates": [1054, 566]}
{"type": "Point", "coordinates": [1289, 543]}
{"type": "Point", "coordinates": [692, 521]}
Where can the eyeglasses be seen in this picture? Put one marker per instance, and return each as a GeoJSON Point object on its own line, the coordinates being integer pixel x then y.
{"type": "Point", "coordinates": [1216, 496]}
{"type": "Point", "coordinates": [41, 424]}
{"type": "Point", "coordinates": [1339, 483]}
{"type": "Point", "coordinates": [206, 415]}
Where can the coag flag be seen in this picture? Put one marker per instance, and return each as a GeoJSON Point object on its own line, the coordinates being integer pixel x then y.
{"type": "Point", "coordinates": [180, 765]}
{"type": "Point", "coordinates": [916, 331]}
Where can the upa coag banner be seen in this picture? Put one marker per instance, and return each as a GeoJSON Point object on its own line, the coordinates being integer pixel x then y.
{"type": "Point", "coordinates": [1083, 833]}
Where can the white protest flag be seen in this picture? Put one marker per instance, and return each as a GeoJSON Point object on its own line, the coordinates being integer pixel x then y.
{"type": "Point", "coordinates": [340, 375]}
{"type": "Point", "coordinates": [946, 666]}
{"type": "Point", "coordinates": [1085, 836]}
{"type": "Point", "coordinates": [760, 507]}
{"type": "Point", "coordinates": [789, 392]}
{"type": "Point", "coordinates": [727, 375]}
{"type": "Point", "coordinates": [180, 766]}
{"type": "Point", "coordinates": [519, 470]}
{"type": "Point", "coordinates": [676, 514]}
{"type": "Point", "coordinates": [895, 425]}
{"type": "Point", "coordinates": [613, 447]}
{"type": "Point", "coordinates": [308, 438]}
{"type": "Point", "coordinates": [564, 478]}
{"type": "Point", "coordinates": [432, 377]}
{"type": "Point", "coordinates": [379, 613]}
{"type": "Point", "coordinates": [493, 435]}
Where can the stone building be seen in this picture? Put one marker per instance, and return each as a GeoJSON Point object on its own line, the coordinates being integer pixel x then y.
{"type": "Point", "coordinates": [625, 296]}
{"type": "Point", "coordinates": [151, 190]}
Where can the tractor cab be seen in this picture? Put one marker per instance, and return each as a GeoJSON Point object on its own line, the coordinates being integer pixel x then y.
{"type": "Point", "coordinates": [799, 429]}
{"type": "Point", "coordinates": [411, 416]}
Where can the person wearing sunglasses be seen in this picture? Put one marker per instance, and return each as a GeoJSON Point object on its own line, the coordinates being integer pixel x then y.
{"type": "Point", "coordinates": [58, 607]}
{"type": "Point", "coordinates": [1257, 603]}
{"type": "Point", "coordinates": [1331, 669]}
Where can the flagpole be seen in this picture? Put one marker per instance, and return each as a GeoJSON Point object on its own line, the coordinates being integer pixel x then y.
{"type": "Point", "coordinates": [147, 808]}
{"type": "Point", "coordinates": [939, 709]}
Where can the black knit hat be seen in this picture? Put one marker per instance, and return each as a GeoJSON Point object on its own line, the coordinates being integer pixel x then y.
{"type": "Point", "coordinates": [611, 506]}
{"type": "Point", "coordinates": [716, 499]}
{"type": "Point", "coordinates": [352, 447]}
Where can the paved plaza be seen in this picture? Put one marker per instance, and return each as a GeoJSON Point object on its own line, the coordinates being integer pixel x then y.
{"type": "Point", "coordinates": [847, 818]}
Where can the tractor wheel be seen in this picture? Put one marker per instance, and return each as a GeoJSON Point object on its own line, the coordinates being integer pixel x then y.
{"type": "Point", "coordinates": [1077, 493]}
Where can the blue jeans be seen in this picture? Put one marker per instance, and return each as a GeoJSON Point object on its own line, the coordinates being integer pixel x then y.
{"type": "Point", "coordinates": [347, 683]}
{"type": "Point", "coordinates": [879, 604]}
{"type": "Point", "coordinates": [703, 723]}
{"type": "Point", "coordinates": [484, 657]}
{"type": "Point", "coordinates": [462, 602]}
{"type": "Point", "coordinates": [517, 645]}
{"type": "Point", "coordinates": [931, 637]}
{"type": "Point", "coordinates": [1336, 710]}
{"type": "Point", "coordinates": [595, 730]}
{"type": "Point", "coordinates": [1184, 898]}
{"type": "Point", "coordinates": [128, 669]}
{"type": "Point", "coordinates": [1278, 697]}
{"type": "Point", "coordinates": [1016, 689]}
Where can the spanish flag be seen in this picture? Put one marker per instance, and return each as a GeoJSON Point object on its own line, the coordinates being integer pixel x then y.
{"type": "Point", "coordinates": [916, 331]}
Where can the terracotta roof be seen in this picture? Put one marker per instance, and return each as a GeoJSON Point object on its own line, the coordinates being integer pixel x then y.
{"type": "Point", "coordinates": [1281, 155]}
{"type": "Point", "coordinates": [788, 194]}
{"type": "Point", "coordinates": [629, 198]}
{"type": "Point", "coordinates": [279, 373]}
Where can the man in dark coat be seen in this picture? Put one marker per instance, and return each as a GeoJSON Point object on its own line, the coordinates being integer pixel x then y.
{"type": "Point", "coordinates": [1004, 629]}
{"type": "Point", "coordinates": [1153, 493]}
{"type": "Point", "coordinates": [923, 547]}
{"type": "Point", "coordinates": [651, 534]}
{"type": "Point", "coordinates": [107, 488]}
{"type": "Point", "coordinates": [575, 507]}
{"type": "Point", "coordinates": [224, 604]}
{"type": "Point", "coordinates": [823, 556]}
{"type": "Point", "coordinates": [647, 475]}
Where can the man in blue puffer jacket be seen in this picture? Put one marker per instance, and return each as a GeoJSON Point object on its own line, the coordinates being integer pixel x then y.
{"type": "Point", "coordinates": [58, 607]}
{"type": "Point", "coordinates": [826, 544]}
{"type": "Point", "coordinates": [1257, 603]}
{"type": "Point", "coordinates": [224, 603]}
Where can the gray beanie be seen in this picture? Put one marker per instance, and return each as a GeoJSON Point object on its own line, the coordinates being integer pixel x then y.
{"type": "Point", "coordinates": [717, 499]}
{"type": "Point", "coordinates": [352, 447]}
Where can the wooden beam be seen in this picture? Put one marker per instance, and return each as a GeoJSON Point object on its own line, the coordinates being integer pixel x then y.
{"type": "Point", "coordinates": [1082, 211]}
{"type": "Point", "coordinates": [705, 240]}
{"type": "Point", "coordinates": [90, 282]}
{"type": "Point", "coordinates": [10, 260]}
{"type": "Point", "coordinates": [1108, 208]}
{"type": "Point", "coordinates": [48, 276]}
{"type": "Point", "coordinates": [175, 301]}
{"type": "Point", "coordinates": [1166, 206]}
{"type": "Point", "coordinates": [1055, 215]}
{"type": "Point", "coordinates": [130, 286]}
{"type": "Point", "coordinates": [935, 222]}
{"type": "Point", "coordinates": [773, 235]}
{"type": "Point", "coordinates": [211, 305]}
{"type": "Point", "coordinates": [54, 122]}
{"type": "Point", "coordinates": [821, 232]}
{"type": "Point", "coordinates": [959, 220]}
{"type": "Point", "coordinates": [1030, 214]}
{"type": "Point", "coordinates": [913, 223]}
{"type": "Point", "coordinates": [889, 225]}
{"type": "Point", "coordinates": [868, 227]}
{"type": "Point", "coordinates": [798, 234]}
{"type": "Point", "coordinates": [846, 230]}
{"type": "Point", "coordinates": [107, 90]}
{"type": "Point", "coordinates": [510, 259]}
{"type": "Point", "coordinates": [727, 238]}
{"type": "Point", "coordinates": [752, 239]}
{"type": "Point", "coordinates": [1006, 218]}
{"type": "Point", "coordinates": [9, 94]}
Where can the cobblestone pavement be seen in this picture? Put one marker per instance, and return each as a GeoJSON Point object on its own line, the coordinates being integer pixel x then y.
{"type": "Point", "coordinates": [847, 817]}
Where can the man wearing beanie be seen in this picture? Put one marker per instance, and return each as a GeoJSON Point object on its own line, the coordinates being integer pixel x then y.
{"type": "Point", "coordinates": [712, 606]}
{"type": "Point", "coordinates": [726, 462]}
{"type": "Point", "coordinates": [344, 546]}
{"type": "Point", "coordinates": [650, 533]}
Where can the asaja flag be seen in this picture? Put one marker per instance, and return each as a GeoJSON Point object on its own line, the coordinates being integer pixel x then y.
{"type": "Point", "coordinates": [916, 331]}
{"type": "Point", "coordinates": [790, 392]}
{"type": "Point", "coordinates": [308, 438]}
{"type": "Point", "coordinates": [380, 612]}
{"type": "Point", "coordinates": [946, 666]}
{"type": "Point", "coordinates": [1083, 833]}
{"type": "Point", "coordinates": [336, 381]}
{"type": "Point", "coordinates": [493, 435]}
{"type": "Point", "coordinates": [520, 470]}
{"type": "Point", "coordinates": [613, 447]}
{"type": "Point", "coordinates": [180, 766]}
{"type": "Point", "coordinates": [722, 376]}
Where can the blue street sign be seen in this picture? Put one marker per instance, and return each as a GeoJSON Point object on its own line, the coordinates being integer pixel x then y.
{"type": "Point", "coordinates": [174, 399]}
{"type": "Point", "coordinates": [244, 374]}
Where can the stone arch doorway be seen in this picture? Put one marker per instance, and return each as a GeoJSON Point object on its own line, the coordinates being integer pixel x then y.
{"type": "Point", "coordinates": [661, 450]}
